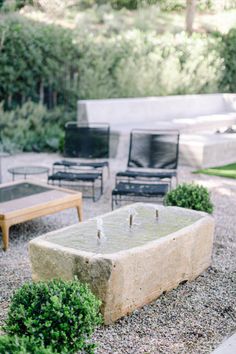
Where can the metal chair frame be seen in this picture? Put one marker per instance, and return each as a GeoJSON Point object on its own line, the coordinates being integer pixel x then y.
{"type": "Point", "coordinates": [83, 171]}
{"type": "Point", "coordinates": [149, 173]}
{"type": "Point", "coordinates": [75, 179]}
{"type": "Point", "coordinates": [147, 177]}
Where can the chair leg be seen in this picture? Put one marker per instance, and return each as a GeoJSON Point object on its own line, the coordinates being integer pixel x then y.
{"type": "Point", "coordinates": [112, 203]}
{"type": "Point", "coordinates": [176, 180]}
{"type": "Point", "coordinates": [119, 199]}
{"type": "Point", "coordinates": [93, 187]}
{"type": "Point", "coordinates": [102, 185]}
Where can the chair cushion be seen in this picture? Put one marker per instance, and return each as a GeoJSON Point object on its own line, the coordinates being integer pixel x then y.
{"type": "Point", "coordinates": [141, 189]}
{"type": "Point", "coordinates": [69, 176]}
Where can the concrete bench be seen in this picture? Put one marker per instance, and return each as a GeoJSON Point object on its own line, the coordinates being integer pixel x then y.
{"type": "Point", "coordinates": [190, 111]}
{"type": "Point", "coordinates": [190, 114]}
{"type": "Point", "coordinates": [209, 150]}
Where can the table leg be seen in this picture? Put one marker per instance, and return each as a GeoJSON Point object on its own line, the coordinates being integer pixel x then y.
{"type": "Point", "coordinates": [0, 170]}
{"type": "Point", "coordinates": [79, 211]}
{"type": "Point", "coordinates": [5, 235]}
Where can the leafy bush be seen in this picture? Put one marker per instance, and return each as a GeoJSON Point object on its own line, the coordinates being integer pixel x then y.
{"type": "Point", "coordinates": [55, 66]}
{"type": "Point", "coordinates": [190, 196]}
{"type": "Point", "coordinates": [22, 345]}
{"type": "Point", "coordinates": [33, 127]}
{"type": "Point", "coordinates": [228, 52]}
{"type": "Point", "coordinates": [37, 61]}
{"type": "Point", "coordinates": [165, 5]}
{"type": "Point", "coordinates": [22, 3]}
{"type": "Point", "coordinates": [137, 64]}
{"type": "Point", "coordinates": [60, 314]}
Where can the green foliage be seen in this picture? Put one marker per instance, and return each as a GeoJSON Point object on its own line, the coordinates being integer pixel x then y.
{"type": "Point", "coordinates": [33, 127]}
{"type": "Point", "coordinates": [129, 4]}
{"type": "Point", "coordinates": [137, 64]}
{"type": "Point", "coordinates": [165, 5]}
{"type": "Point", "coordinates": [228, 52]}
{"type": "Point", "coordinates": [37, 61]}
{"type": "Point", "coordinates": [190, 196]}
{"type": "Point", "coordinates": [55, 67]}
{"type": "Point", "coordinates": [22, 3]}
{"type": "Point", "coordinates": [60, 314]}
{"type": "Point", "coordinates": [22, 345]}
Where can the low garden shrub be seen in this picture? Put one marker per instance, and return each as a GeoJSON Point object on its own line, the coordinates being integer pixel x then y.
{"type": "Point", "coordinates": [191, 196]}
{"type": "Point", "coordinates": [22, 345]}
{"type": "Point", "coordinates": [32, 127]}
{"type": "Point", "coordinates": [60, 314]}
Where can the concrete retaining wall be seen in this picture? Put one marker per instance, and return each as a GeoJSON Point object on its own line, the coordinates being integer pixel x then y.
{"type": "Point", "coordinates": [190, 114]}
{"type": "Point", "coordinates": [120, 112]}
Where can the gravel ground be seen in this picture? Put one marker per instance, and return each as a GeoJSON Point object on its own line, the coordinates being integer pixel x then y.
{"type": "Point", "coordinates": [194, 318]}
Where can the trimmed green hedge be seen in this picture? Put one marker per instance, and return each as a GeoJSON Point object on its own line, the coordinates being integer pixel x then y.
{"type": "Point", "coordinates": [228, 52]}
{"type": "Point", "coordinates": [38, 62]}
{"type": "Point", "coordinates": [60, 314]}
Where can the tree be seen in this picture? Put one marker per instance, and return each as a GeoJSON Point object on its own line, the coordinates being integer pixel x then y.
{"type": "Point", "coordinates": [190, 14]}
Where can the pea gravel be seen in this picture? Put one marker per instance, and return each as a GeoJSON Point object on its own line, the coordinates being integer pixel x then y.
{"type": "Point", "coordinates": [194, 318]}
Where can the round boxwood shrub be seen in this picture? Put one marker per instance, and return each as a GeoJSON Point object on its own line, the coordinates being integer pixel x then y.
{"type": "Point", "coordinates": [58, 313]}
{"type": "Point", "coordinates": [191, 196]}
{"type": "Point", "coordinates": [22, 345]}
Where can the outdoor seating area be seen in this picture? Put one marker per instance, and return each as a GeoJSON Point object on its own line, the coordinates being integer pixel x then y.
{"type": "Point", "coordinates": [117, 177]}
{"type": "Point", "coordinates": [152, 163]}
{"type": "Point", "coordinates": [21, 234]}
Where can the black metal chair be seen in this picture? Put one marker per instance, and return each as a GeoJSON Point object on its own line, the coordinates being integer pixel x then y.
{"type": "Point", "coordinates": [89, 142]}
{"type": "Point", "coordinates": [86, 142]}
{"type": "Point", "coordinates": [152, 165]}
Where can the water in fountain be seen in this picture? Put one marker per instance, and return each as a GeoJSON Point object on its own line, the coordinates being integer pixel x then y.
{"type": "Point", "coordinates": [119, 235]}
{"type": "Point", "coordinates": [132, 216]}
{"type": "Point", "coordinates": [155, 208]}
{"type": "Point", "coordinates": [100, 231]}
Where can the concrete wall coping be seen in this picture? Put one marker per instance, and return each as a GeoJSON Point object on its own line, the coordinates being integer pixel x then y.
{"type": "Point", "coordinates": [164, 108]}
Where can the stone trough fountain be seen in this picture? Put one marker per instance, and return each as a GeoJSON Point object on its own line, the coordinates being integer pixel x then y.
{"type": "Point", "coordinates": [129, 256]}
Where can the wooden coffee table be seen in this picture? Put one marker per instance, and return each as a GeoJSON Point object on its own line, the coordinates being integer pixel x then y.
{"type": "Point", "coordinates": [23, 201]}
